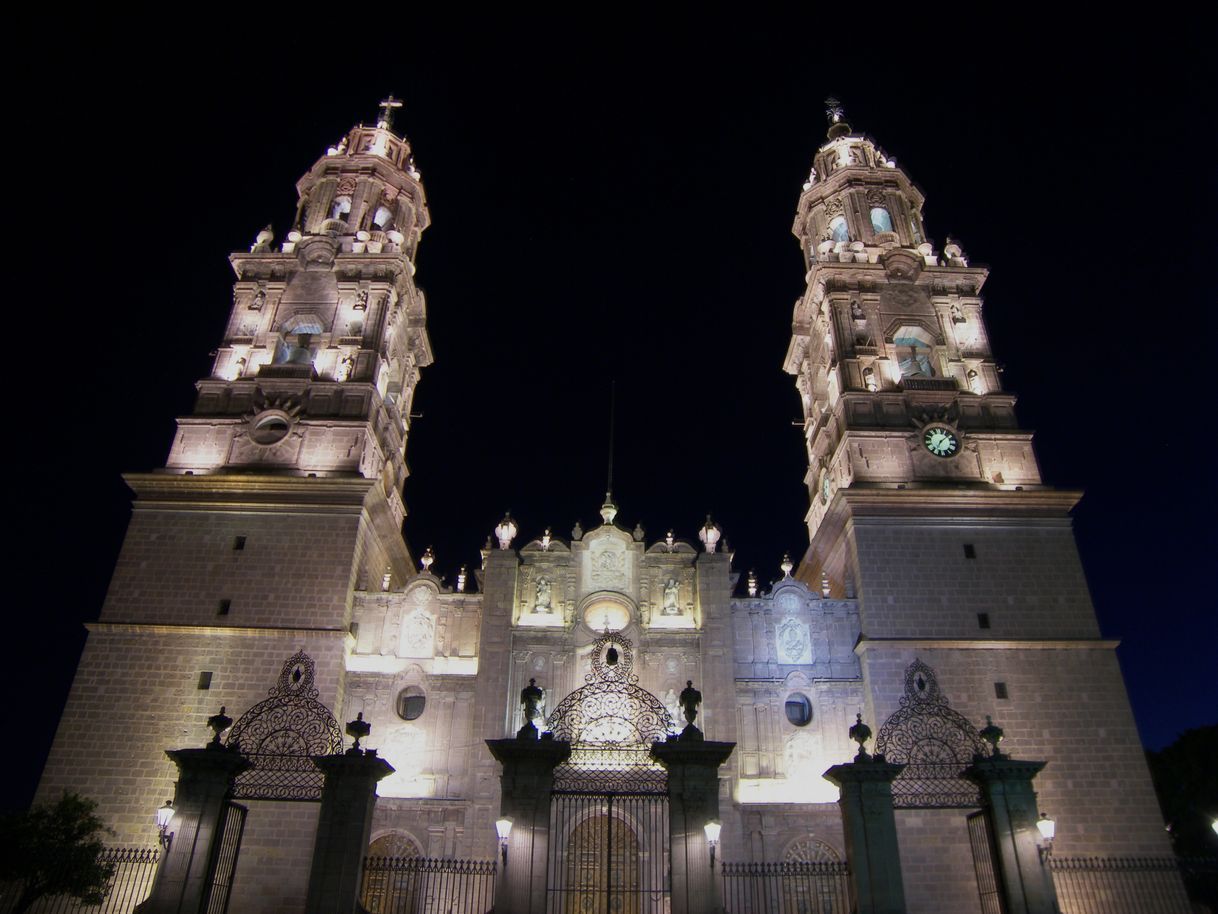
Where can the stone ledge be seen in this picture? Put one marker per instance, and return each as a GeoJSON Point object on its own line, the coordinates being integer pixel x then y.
{"type": "Point", "coordinates": [974, 644]}
{"type": "Point", "coordinates": [161, 628]}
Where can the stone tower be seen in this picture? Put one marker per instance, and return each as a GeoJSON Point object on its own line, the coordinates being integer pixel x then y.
{"type": "Point", "coordinates": [927, 507]}
{"type": "Point", "coordinates": [280, 497]}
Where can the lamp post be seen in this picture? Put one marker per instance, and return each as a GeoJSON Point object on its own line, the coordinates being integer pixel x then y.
{"type": "Point", "coordinates": [164, 816]}
{"type": "Point", "coordinates": [1047, 828]}
{"type": "Point", "coordinates": [712, 829]}
{"type": "Point", "coordinates": [503, 828]}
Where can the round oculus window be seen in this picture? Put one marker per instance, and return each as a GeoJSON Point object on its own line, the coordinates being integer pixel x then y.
{"type": "Point", "coordinates": [606, 616]}
{"type": "Point", "coordinates": [411, 702]}
{"type": "Point", "coordinates": [940, 441]}
{"type": "Point", "coordinates": [270, 428]}
{"type": "Point", "coordinates": [799, 709]}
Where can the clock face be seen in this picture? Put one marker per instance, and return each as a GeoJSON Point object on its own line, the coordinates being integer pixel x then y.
{"type": "Point", "coordinates": [940, 441]}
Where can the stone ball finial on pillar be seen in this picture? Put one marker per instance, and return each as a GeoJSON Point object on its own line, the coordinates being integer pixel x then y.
{"type": "Point", "coordinates": [860, 733]}
{"type": "Point", "coordinates": [218, 723]}
{"type": "Point", "coordinates": [358, 729]}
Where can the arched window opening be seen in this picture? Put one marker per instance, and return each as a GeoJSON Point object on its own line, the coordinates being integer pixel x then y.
{"type": "Point", "coordinates": [383, 218]}
{"type": "Point", "coordinates": [340, 207]}
{"type": "Point", "coordinates": [838, 230]}
{"type": "Point", "coordinates": [914, 347]}
{"type": "Point", "coordinates": [881, 220]}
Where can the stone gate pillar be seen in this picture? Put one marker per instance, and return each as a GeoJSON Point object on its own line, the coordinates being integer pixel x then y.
{"type": "Point", "coordinates": [205, 781]}
{"type": "Point", "coordinates": [348, 796]}
{"type": "Point", "coordinates": [693, 800]}
{"type": "Point", "coordinates": [870, 828]}
{"type": "Point", "coordinates": [527, 779]}
{"type": "Point", "coordinates": [1010, 808]}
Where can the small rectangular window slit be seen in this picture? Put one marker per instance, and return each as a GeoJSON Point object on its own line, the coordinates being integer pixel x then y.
{"type": "Point", "coordinates": [983, 620]}
{"type": "Point", "coordinates": [1000, 690]}
{"type": "Point", "coordinates": [969, 551]}
{"type": "Point", "coordinates": [224, 607]}
{"type": "Point", "coordinates": [238, 543]}
{"type": "Point", "coordinates": [205, 680]}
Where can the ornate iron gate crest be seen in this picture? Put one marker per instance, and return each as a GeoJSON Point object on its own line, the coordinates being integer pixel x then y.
{"type": "Point", "coordinates": [934, 743]}
{"type": "Point", "coordinates": [280, 733]}
{"type": "Point", "coordinates": [612, 710]}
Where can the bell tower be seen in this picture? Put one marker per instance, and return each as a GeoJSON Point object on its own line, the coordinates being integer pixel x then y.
{"type": "Point", "coordinates": [327, 334]}
{"type": "Point", "coordinates": [889, 350]}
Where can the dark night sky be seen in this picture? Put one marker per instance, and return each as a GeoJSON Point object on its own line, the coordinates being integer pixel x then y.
{"type": "Point", "coordinates": [614, 200]}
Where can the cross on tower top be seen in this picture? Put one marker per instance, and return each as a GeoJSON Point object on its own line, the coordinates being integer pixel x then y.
{"type": "Point", "coordinates": [386, 117]}
{"type": "Point", "coordinates": [833, 109]}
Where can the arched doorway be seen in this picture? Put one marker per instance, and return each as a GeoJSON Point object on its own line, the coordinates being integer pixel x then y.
{"type": "Point", "coordinates": [608, 851]}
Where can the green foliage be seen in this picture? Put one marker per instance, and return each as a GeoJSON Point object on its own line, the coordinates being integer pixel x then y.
{"type": "Point", "coordinates": [54, 849]}
{"type": "Point", "coordinates": [1186, 778]}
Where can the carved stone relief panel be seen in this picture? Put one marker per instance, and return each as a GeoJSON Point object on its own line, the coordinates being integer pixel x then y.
{"type": "Point", "coordinates": [793, 639]}
{"type": "Point", "coordinates": [608, 566]}
{"type": "Point", "coordinates": [417, 634]}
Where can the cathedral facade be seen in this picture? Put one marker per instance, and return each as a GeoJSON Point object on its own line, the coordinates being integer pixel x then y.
{"type": "Point", "coordinates": [941, 584]}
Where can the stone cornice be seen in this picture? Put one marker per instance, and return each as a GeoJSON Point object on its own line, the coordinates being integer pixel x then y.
{"type": "Point", "coordinates": [248, 492]}
{"type": "Point", "coordinates": [161, 628]}
{"type": "Point", "coordinates": [975, 644]}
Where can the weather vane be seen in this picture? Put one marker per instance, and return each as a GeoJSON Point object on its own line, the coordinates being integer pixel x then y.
{"type": "Point", "coordinates": [385, 121]}
{"type": "Point", "coordinates": [833, 109]}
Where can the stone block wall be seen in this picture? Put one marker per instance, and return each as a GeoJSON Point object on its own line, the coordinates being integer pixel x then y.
{"type": "Point", "coordinates": [1064, 706]}
{"type": "Point", "coordinates": [136, 694]}
{"type": "Point", "coordinates": [291, 569]}
{"type": "Point", "coordinates": [916, 579]}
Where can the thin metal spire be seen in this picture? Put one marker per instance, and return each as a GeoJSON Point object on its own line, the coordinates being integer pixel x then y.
{"type": "Point", "coordinates": [612, 416]}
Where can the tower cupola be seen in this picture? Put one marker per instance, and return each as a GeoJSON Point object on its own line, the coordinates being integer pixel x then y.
{"type": "Point", "coordinates": [855, 196]}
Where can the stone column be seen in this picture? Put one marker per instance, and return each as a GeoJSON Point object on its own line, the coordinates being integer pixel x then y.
{"type": "Point", "coordinates": [348, 796]}
{"type": "Point", "coordinates": [693, 800]}
{"type": "Point", "coordinates": [871, 833]}
{"type": "Point", "coordinates": [527, 779]}
{"type": "Point", "coordinates": [205, 780]}
{"type": "Point", "coordinates": [1010, 807]}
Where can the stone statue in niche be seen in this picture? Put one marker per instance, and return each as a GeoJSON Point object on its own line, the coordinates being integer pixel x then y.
{"type": "Point", "coordinates": [239, 368]}
{"type": "Point", "coordinates": [974, 382]}
{"type": "Point", "coordinates": [345, 367]}
{"type": "Point", "coordinates": [361, 300]}
{"type": "Point", "coordinates": [258, 300]}
{"type": "Point", "coordinates": [542, 604]}
{"type": "Point", "coordinates": [672, 592]}
{"type": "Point", "coordinates": [957, 313]}
{"type": "Point", "coordinates": [856, 311]}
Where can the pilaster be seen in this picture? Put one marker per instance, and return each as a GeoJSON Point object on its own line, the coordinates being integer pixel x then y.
{"type": "Point", "coordinates": [343, 827]}
{"type": "Point", "coordinates": [526, 782]}
{"type": "Point", "coordinates": [693, 801]}
{"type": "Point", "coordinates": [205, 780]}
{"type": "Point", "coordinates": [871, 834]}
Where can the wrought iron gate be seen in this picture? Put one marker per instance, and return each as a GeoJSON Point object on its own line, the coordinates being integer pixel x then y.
{"type": "Point", "coordinates": [609, 842]}
{"type": "Point", "coordinates": [223, 864]}
{"type": "Point", "coordinates": [982, 843]}
{"type": "Point", "coordinates": [608, 851]}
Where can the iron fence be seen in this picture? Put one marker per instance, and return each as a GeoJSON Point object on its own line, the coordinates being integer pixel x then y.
{"type": "Point", "coordinates": [130, 883]}
{"type": "Point", "coordinates": [786, 888]}
{"type": "Point", "coordinates": [423, 885]}
{"type": "Point", "coordinates": [1119, 885]}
